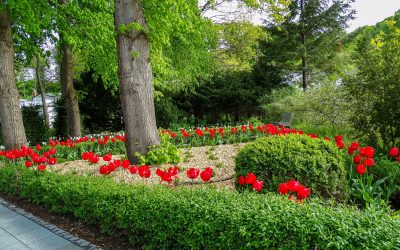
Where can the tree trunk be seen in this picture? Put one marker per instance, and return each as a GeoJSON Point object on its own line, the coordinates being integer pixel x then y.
{"type": "Point", "coordinates": [67, 88]}
{"type": "Point", "coordinates": [135, 75]}
{"type": "Point", "coordinates": [42, 92]}
{"type": "Point", "coordinates": [303, 42]}
{"type": "Point", "coordinates": [304, 72]}
{"type": "Point", "coordinates": [68, 92]}
{"type": "Point", "coordinates": [12, 125]}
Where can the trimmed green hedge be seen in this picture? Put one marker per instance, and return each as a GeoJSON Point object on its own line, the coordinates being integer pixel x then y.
{"type": "Point", "coordinates": [315, 163]}
{"type": "Point", "coordinates": [158, 217]}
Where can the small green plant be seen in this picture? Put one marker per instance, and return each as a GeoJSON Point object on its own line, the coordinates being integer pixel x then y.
{"type": "Point", "coordinates": [219, 165]}
{"type": "Point", "coordinates": [166, 152]}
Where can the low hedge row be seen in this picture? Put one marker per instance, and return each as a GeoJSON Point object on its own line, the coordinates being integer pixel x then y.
{"type": "Point", "coordinates": [204, 218]}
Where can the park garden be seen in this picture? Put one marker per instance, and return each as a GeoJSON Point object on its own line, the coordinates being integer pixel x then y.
{"type": "Point", "coordinates": [184, 125]}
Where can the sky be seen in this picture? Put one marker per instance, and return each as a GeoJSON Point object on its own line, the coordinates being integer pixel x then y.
{"type": "Point", "coordinates": [369, 12]}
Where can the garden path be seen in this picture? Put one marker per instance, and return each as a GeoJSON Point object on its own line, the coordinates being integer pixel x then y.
{"type": "Point", "coordinates": [21, 230]}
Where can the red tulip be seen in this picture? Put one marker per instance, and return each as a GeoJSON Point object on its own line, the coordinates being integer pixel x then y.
{"type": "Point", "coordinates": [38, 147]}
{"type": "Point", "coordinates": [369, 162]}
{"type": "Point", "coordinates": [104, 170]}
{"type": "Point", "coordinates": [303, 192]}
{"type": "Point", "coordinates": [52, 161]}
{"type": "Point", "coordinates": [133, 169]}
{"type": "Point", "coordinates": [258, 185]}
{"type": "Point", "coordinates": [250, 178]}
{"type": "Point", "coordinates": [393, 152]}
{"type": "Point", "coordinates": [144, 171]}
{"type": "Point", "coordinates": [95, 159]}
{"type": "Point", "coordinates": [206, 174]}
{"type": "Point", "coordinates": [199, 132]}
{"type": "Point", "coordinates": [41, 167]}
{"type": "Point", "coordinates": [368, 152]}
{"type": "Point", "coordinates": [53, 151]}
{"type": "Point", "coordinates": [85, 156]}
{"type": "Point", "coordinates": [354, 146]}
{"type": "Point", "coordinates": [283, 188]}
{"type": "Point", "coordinates": [125, 163]}
{"type": "Point", "coordinates": [117, 163]}
{"type": "Point", "coordinates": [293, 185]}
{"type": "Point", "coordinates": [28, 164]}
{"type": "Point", "coordinates": [360, 169]}
{"type": "Point", "coordinates": [192, 173]}
{"type": "Point", "coordinates": [107, 157]}
{"type": "Point", "coordinates": [357, 159]}
{"type": "Point", "coordinates": [173, 171]}
{"type": "Point", "coordinates": [350, 150]}
{"type": "Point", "coordinates": [159, 172]}
{"type": "Point", "coordinates": [340, 144]}
{"type": "Point", "coordinates": [338, 138]}
{"type": "Point", "coordinates": [241, 180]}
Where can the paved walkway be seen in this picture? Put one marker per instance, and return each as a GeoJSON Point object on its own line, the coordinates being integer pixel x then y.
{"type": "Point", "coordinates": [22, 230]}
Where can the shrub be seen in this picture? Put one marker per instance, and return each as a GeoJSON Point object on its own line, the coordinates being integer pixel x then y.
{"type": "Point", "coordinates": [166, 152]}
{"type": "Point", "coordinates": [316, 163]}
{"type": "Point", "coordinates": [158, 217]}
{"type": "Point", "coordinates": [60, 123]}
{"type": "Point", "coordinates": [35, 129]}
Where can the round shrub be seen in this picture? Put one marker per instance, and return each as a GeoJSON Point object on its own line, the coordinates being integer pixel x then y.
{"type": "Point", "coordinates": [315, 163]}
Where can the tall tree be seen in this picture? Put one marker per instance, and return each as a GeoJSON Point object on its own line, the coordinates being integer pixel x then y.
{"type": "Point", "coordinates": [67, 86]}
{"type": "Point", "coordinates": [373, 86]}
{"type": "Point", "coordinates": [309, 37]}
{"type": "Point", "coordinates": [10, 114]}
{"type": "Point", "coordinates": [135, 75]}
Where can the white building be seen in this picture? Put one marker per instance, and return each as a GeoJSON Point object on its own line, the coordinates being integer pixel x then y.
{"type": "Point", "coordinates": [51, 100]}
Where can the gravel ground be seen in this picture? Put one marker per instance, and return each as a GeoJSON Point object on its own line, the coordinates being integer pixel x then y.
{"type": "Point", "coordinates": [221, 158]}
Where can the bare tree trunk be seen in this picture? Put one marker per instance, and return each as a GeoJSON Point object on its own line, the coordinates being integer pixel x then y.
{"type": "Point", "coordinates": [67, 88]}
{"type": "Point", "coordinates": [12, 125]}
{"type": "Point", "coordinates": [68, 92]}
{"type": "Point", "coordinates": [135, 75]}
{"type": "Point", "coordinates": [303, 42]}
{"type": "Point", "coordinates": [42, 92]}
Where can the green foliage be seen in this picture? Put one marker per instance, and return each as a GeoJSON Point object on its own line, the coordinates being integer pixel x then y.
{"type": "Point", "coordinates": [167, 114]}
{"type": "Point", "coordinates": [314, 34]}
{"type": "Point", "coordinates": [60, 122]}
{"type": "Point", "coordinates": [35, 129]}
{"type": "Point", "coordinates": [373, 86]}
{"type": "Point", "coordinates": [370, 193]}
{"type": "Point", "coordinates": [315, 163]}
{"type": "Point", "coordinates": [323, 109]}
{"type": "Point", "coordinates": [99, 107]}
{"type": "Point", "coordinates": [158, 217]}
{"type": "Point", "coordinates": [66, 153]}
{"type": "Point", "coordinates": [132, 26]}
{"type": "Point", "coordinates": [390, 170]}
{"type": "Point", "coordinates": [166, 152]}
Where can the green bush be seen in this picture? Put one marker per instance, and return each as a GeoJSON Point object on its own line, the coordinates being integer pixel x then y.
{"type": "Point", "coordinates": [158, 217]}
{"type": "Point", "coordinates": [166, 152]}
{"type": "Point", "coordinates": [316, 163]}
{"type": "Point", "coordinates": [35, 129]}
{"type": "Point", "coordinates": [60, 123]}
